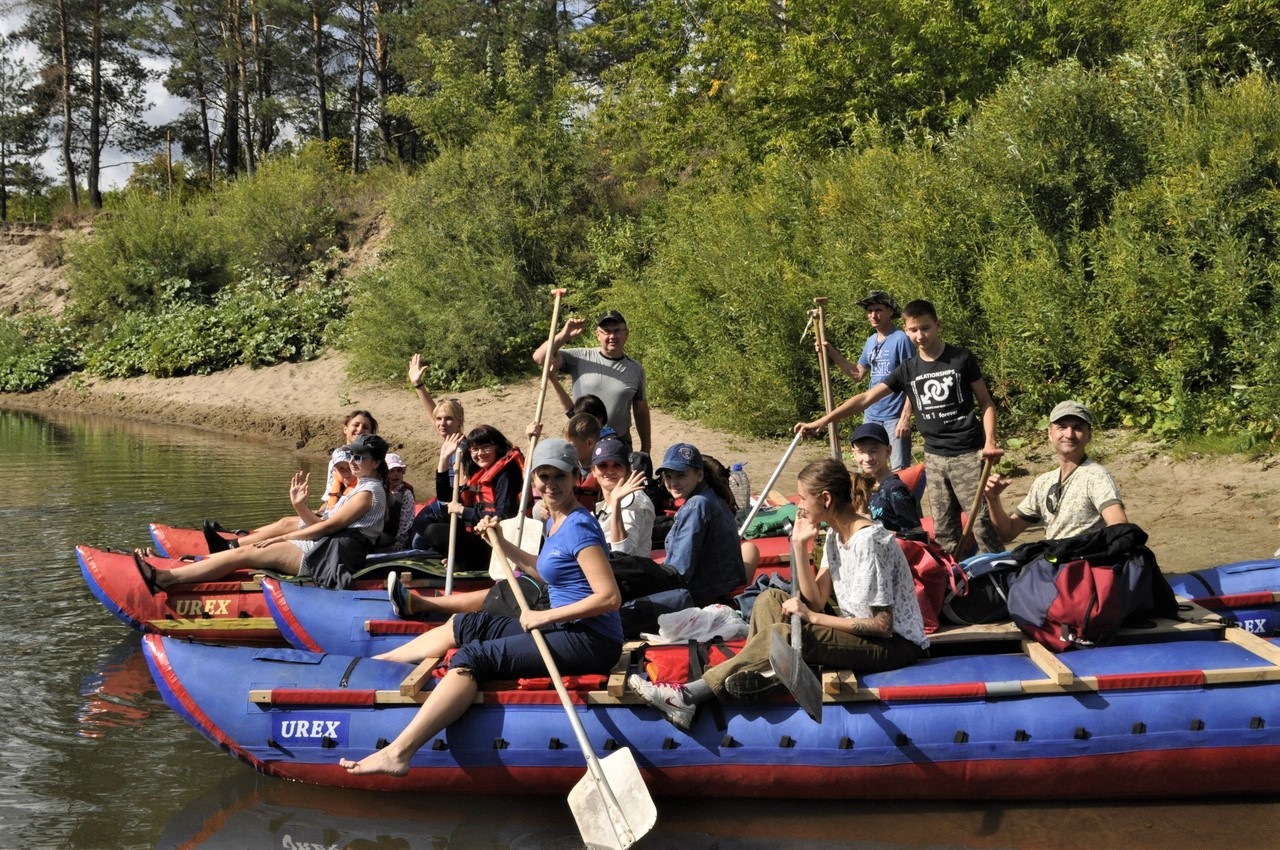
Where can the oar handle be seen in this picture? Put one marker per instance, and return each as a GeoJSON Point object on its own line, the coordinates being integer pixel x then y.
{"type": "Point", "coordinates": [593, 764]}
{"type": "Point", "coordinates": [453, 522]}
{"type": "Point", "coordinates": [797, 641]}
{"type": "Point", "coordinates": [824, 368]}
{"type": "Point", "coordinates": [537, 414]}
{"type": "Point", "coordinates": [987, 463]}
{"type": "Point", "coordinates": [773, 479]}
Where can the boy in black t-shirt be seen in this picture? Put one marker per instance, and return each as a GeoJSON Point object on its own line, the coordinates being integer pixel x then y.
{"type": "Point", "coordinates": [956, 418]}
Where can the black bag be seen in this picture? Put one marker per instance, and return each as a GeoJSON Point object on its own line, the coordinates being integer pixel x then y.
{"type": "Point", "coordinates": [981, 590]}
{"type": "Point", "coordinates": [501, 600]}
{"type": "Point", "coordinates": [639, 577]}
{"type": "Point", "coordinates": [335, 558]}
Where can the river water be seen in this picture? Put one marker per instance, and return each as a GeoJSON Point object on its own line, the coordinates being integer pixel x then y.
{"type": "Point", "coordinates": [92, 758]}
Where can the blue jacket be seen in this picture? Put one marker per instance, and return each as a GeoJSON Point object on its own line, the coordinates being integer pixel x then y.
{"type": "Point", "coordinates": [703, 546]}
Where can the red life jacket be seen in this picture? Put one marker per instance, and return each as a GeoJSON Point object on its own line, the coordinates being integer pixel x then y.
{"type": "Point", "coordinates": [587, 491]}
{"type": "Point", "coordinates": [479, 493]}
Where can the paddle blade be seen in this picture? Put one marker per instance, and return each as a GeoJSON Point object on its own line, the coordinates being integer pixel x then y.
{"type": "Point", "coordinates": [527, 537]}
{"type": "Point", "coordinates": [796, 675]}
{"type": "Point", "coordinates": [600, 822]}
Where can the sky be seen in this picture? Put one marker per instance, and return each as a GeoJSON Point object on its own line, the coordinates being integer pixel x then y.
{"type": "Point", "coordinates": [116, 165]}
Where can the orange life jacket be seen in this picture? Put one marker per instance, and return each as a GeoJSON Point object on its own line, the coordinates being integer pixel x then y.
{"type": "Point", "coordinates": [479, 493]}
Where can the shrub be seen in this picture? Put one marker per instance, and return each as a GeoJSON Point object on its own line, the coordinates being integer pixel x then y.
{"type": "Point", "coordinates": [135, 251]}
{"type": "Point", "coordinates": [33, 351]}
{"type": "Point", "coordinates": [285, 216]}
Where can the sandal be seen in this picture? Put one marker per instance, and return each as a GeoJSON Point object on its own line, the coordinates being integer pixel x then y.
{"type": "Point", "coordinates": [147, 572]}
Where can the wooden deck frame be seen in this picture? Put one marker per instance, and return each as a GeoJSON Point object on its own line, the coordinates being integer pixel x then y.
{"type": "Point", "coordinates": [842, 685]}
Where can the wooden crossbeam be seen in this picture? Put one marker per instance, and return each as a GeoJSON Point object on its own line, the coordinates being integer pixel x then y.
{"type": "Point", "coordinates": [229, 624]}
{"type": "Point", "coordinates": [413, 684]}
{"type": "Point", "coordinates": [1258, 646]}
{"type": "Point", "coordinates": [1049, 663]}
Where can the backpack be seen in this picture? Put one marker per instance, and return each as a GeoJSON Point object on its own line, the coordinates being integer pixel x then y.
{"type": "Point", "coordinates": [932, 570]}
{"type": "Point", "coordinates": [979, 591]}
{"type": "Point", "coordinates": [1080, 603]}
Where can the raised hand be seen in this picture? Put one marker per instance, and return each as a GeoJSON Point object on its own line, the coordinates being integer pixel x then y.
{"type": "Point", "coordinates": [299, 488]}
{"type": "Point", "coordinates": [416, 370]}
{"type": "Point", "coordinates": [633, 484]}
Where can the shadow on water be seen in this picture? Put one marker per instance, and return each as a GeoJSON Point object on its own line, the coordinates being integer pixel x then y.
{"type": "Point", "coordinates": [94, 759]}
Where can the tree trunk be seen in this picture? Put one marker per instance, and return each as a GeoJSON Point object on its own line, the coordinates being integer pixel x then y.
{"type": "Point", "coordinates": [231, 109]}
{"type": "Point", "coordinates": [317, 50]}
{"type": "Point", "coordinates": [202, 94]}
{"type": "Point", "coordinates": [64, 48]}
{"type": "Point", "coordinates": [362, 45]}
{"type": "Point", "coordinates": [382, 74]}
{"type": "Point", "coordinates": [93, 172]}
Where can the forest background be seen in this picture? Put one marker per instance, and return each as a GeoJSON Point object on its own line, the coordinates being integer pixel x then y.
{"type": "Point", "coordinates": [1086, 190]}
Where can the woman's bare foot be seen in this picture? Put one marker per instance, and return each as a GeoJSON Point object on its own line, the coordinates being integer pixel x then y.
{"type": "Point", "coordinates": [380, 762]}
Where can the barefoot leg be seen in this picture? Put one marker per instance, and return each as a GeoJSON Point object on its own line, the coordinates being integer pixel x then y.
{"type": "Point", "coordinates": [430, 644]}
{"type": "Point", "coordinates": [449, 700]}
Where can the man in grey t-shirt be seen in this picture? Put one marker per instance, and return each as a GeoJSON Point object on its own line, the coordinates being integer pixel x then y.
{"type": "Point", "coordinates": [606, 372]}
{"type": "Point", "coordinates": [1078, 497]}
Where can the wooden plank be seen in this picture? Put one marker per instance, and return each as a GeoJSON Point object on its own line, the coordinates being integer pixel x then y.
{"type": "Point", "coordinates": [417, 679]}
{"type": "Point", "coordinates": [1258, 646]}
{"type": "Point", "coordinates": [227, 624]}
{"type": "Point", "coordinates": [1204, 621]}
{"type": "Point", "coordinates": [618, 675]}
{"type": "Point", "coordinates": [839, 682]}
{"type": "Point", "coordinates": [1052, 666]}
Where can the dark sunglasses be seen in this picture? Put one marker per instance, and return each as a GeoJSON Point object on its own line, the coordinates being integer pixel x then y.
{"type": "Point", "coordinates": [357, 458]}
{"type": "Point", "coordinates": [1053, 497]}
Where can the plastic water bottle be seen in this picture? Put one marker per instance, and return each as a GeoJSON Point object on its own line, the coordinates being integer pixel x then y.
{"type": "Point", "coordinates": [739, 486]}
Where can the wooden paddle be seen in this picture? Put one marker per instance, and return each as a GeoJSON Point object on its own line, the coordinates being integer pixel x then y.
{"type": "Point", "coordinates": [987, 463]}
{"type": "Point", "coordinates": [453, 521]}
{"type": "Point", "coordinates": [820, 331]}
{"type": "Point", "coordinates": [537, 416]}
{"type": "Point", "coordinates": [755, 509]}
{"type": "Point", "coordinates": [611, 804]}
{"type": "Point", "coordinates": [788, 659]}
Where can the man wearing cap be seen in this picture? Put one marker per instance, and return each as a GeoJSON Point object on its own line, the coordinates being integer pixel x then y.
{"type": "Point", "coordinates": [606, 372]}
{"type": "Point", "coordinates": [1078, 497]}
{"type": "Point", "coordinates": [881, 354]}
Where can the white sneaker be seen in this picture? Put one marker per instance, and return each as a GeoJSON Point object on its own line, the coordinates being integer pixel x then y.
{"type": "Point", "coordinates": [666, 698]}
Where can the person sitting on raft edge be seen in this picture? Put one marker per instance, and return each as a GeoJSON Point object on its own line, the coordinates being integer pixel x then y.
{"type": "Point", "coordinates": [327, 550]}
{"type": "Point", "coordinates": [582, 628]}
{"type": "Point", "coordinates": [880, 627]}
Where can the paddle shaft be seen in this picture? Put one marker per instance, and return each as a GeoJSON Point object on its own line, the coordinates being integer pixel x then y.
{"type": "Point", "coordinates": [768, 487]}
{"type": "Point", "coordinates": [453, 521]}
{"type": "Point", "coordinates": [973, 509]}
{"type": "Point", "coordinates": [616, 815]}
{"type": "Point", "coordinates": [820, 330]}
{"type": "Point", "coordinates": [537, 414]}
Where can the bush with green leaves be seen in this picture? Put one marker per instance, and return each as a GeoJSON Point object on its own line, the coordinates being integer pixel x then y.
{"type": "Point", "coordinates": [286, 215]}
{"type": "Point", "coordinates": [257, 321]}
{"type": "Point", "coordinates": [717, 311]}
{"type": "Point", "coordinates": [136, 250]}
{"type": "Point", "coordinates": [479, 238]}
{"type": "Point", "coordinates": [34, 350]}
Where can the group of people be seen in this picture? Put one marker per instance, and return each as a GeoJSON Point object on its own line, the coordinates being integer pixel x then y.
{"type": "Point", "coordinates": [598, 517]}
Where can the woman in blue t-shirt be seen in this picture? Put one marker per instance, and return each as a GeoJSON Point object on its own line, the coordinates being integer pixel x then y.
{"type": "Point", "coordinates": [582, 627]}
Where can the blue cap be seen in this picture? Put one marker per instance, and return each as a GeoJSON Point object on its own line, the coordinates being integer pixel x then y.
{"type": "Point", "coordinates": [680, 457]}
{"type": "Point", "coordinates": [871, 431]}
{"type": "Point", "coordinates": [612, 449]}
